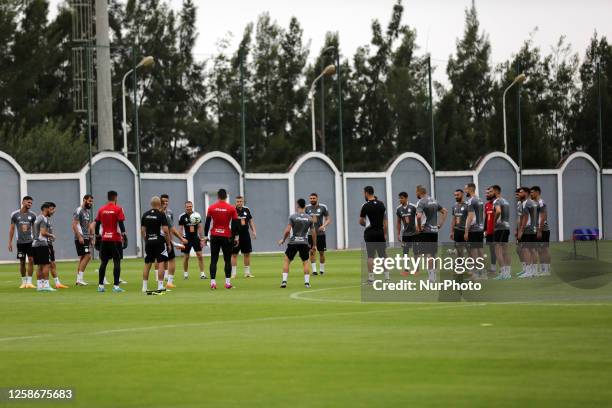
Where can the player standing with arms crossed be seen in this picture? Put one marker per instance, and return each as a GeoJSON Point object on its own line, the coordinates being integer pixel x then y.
{"type": "Point", "coordinates": [154, 229]}
{"type": "Point", "coordinates": [22, 220]}
{"type": "Point", "coordinates": [224, 220]}
{"type": "Point", "coordinates": [298, 226]}
{"type": "Point", "coordinates": [191, 230]}
{"type": "Point", "coordinates": [111, 218]}
{"type": "Point", "coordinates": [321, 220]}
{"type": "Point", "coordinates": [83, 229]}
{"type": "Point", "coordinates": [244, 238]}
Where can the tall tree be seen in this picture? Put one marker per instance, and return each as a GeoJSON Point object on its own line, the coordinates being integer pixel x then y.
{"type": "Point", "coordinates": [464, 112]}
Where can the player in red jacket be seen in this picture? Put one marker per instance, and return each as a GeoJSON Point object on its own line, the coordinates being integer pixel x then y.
{"type": "Point", "coordinates": [490, 227]}
{"type": "Point", "coordinates": [112, 237]}
{"type": "Point", "coordinates": [223, 236]}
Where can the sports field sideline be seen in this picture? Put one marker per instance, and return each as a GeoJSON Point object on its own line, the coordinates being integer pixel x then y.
{"type": "Point", "coordinates": [195, 347]}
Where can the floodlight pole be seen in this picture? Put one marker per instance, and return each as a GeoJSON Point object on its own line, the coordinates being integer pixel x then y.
{"type": "Point", "coordinates": [312, 111]}
{"type": "Point", "coordinates": [517, 80]}
{"type": "Point", "coordinates": [136, 136]}
{"type": "Point", "coordinates": [242, 122]}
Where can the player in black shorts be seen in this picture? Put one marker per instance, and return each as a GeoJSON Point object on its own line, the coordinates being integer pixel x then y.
{"type": "Point", "coordinates": [192, 230]}
{"type": "Point", "coordinates": [246, 228]}
{"type": "Point", "coordinates": [428, 227]}
{"type": "Point", "coordinates": [154, 227]}
{"type": "Point", "coordinates": [457, 228]}
{"type": "Point", "coordinates": [321, 219]}
{"type": "Point", "coordinates": [373, 216]}
{"type": "Point", "coordinates": [170, 264]}
{"type": "Point", "coordinates": [297, 230]}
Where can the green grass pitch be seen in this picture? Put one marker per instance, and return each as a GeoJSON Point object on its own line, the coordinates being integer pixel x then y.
{"type": "Point", "coordinates": [259, 345]}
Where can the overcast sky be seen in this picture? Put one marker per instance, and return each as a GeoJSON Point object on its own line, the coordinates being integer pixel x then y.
{"type": "Point", "coordinates": [438, 22]}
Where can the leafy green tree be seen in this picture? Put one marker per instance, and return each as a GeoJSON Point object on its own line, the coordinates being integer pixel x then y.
{"type": "Point", "coordinates": [464, 112]}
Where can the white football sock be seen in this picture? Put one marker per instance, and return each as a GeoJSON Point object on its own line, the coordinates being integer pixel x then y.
{"type": "Point", "coordinates": [166, 274]}
{"type": "Point", "coordinates": [314, 267]}
{"type": "Point", "coordinates": [370, 276]}
{"type": "Point", "coordinates": [80, 276]}
{"type": "Point", "coordinates": [39, 283]}
{"type": "Point", "coordinates": [322, 267]}
{"type": "Point", "coordinates": [285, 275]}
{"type": "Point", "coordinates": [307, 278]}
{"type": "Point", "coordinates": [213, 281]}
{"type": "Point", "coordinates": [431, 275]}
{"type": "Point", "coordinates": [247, 270]}
{"type": "Point", "coordinates": [228, 281]}
{"type": "Point", "coordinates": [170, 278]}
{"type": "Point", "coordinates": [524, 266]}
{"type": "Point", "coordinates": [160, 284]}
{"type": "Point", "coordinates": [57, 281]}
{"type": "Point", "coordinates": [144, 285]}
{"type": "Point", "coordinates": [101, 286]}
{"type": "Point", "coordinates": [185, 274]}
{"type": "Point", "coordinates": [24, 280]}
{"type": "Point", "coordinates": [234, 270]}
{"type": "Point", "coordinates": [29, 279]}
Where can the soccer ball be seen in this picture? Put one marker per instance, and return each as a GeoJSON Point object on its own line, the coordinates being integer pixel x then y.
{"type": "Point", "coordinates": [195, 218]}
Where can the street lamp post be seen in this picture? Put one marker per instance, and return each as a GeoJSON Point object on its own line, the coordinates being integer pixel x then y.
{"type": "Point", "coordinates": [145, 62]}
{"type": "Point", "coordinates": [518, 80]}
{"type": "Point", "coordinates": [328, 71]}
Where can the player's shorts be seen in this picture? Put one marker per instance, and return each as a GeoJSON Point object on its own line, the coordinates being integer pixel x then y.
{"type": "Point", "coordinates": [458, 235]}
{"type": "Point", "coordinates": [321, 242]}
{"type": "Point", "coordinates": [24, 250]}
{"type": "Point", "coordinates": [155, 251]}
{"type": "Point", "coordinates": [544, 239]}
{"type": "Point", "coordinates": [475, 239]}
{"type": "Point", "coordinates": [375, 243]}
{"type": "Point", "coordinates": [193, 243]}
{"type": "Point", "coordinates": [171, 253]}
{"type": "Point", "coordinates": [111, 250]}
{"type": "Point", "coordinates": [42, 255]}
{"type": "Point", "coordinates": [529, 241]}
{"type": "Point", "coordinates": [501, 235]}
{"type": "Point", "coordinates": [244, 245]}
{"type": "Point", "coordinates": [303, 250]}
{"type": "Point", "coordinates": [82, 249]}
{"type": "Point", "coordinates": [426, 243]}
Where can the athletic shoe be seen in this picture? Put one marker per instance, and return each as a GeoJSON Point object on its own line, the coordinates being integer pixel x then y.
{"type": "Point", "coordinates": [101, 289]}
{"type": "Point", "coordinates": [228, 286]}
{"type": "Point", "coordinates": [525, 274]}
{"type": "Point", "coordinates": [81, 283]}
{"type": "Point", "coordinates": [23, 286]}
{"type": "Point", "coordinates": [315, 273]}
{"type": "Point", "coordinates": [283, 284]}
{"type": "Point", "coordinates": [213, 286]}
{"type": "Point", "coordinates": [60, 286]}
{"type": "Point", "coordinates": [46, 289]}
{"type": "Point", "coordinates": [321, 273]}
{"type": "Point", "coordinates": [203, 276]}
{"type": "Point", "coordinates": [248, 275]}
{"type": "Point", "coordinates": [30, 286]}
{"type": "Point", "coordinates": [170, 285]}
{"type": "Point", "coordinates": [122, 281]}
{"type": "Point", "coordinates": [185, 276]}
{"type": "Point", "coordinates": [118, 290]}
{"type": "Point", "coordinates": [503, 276]}
{"type": "Point", "coordinates": [307, 285]}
